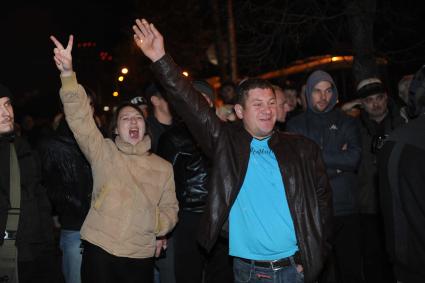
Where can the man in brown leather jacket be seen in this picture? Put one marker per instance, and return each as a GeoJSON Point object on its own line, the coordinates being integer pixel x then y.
{"type": "Point", "coordinates": [268, 190]}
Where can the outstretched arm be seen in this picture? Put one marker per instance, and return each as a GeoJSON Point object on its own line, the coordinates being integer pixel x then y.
{"type": "Point", "coordinates": [78, 112]}
{"type": "Point", "coordinates": [149, 40]}
{"type": "Point", "coordinates": [188, 103]}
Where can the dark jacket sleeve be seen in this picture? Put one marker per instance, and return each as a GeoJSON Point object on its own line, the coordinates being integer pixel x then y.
{"type": "Point", "coordinates": [349, 159]}
{"type": "Point", "coordinates": [324, 196]}
{"type": "Point", "coordinates": [201, 120]}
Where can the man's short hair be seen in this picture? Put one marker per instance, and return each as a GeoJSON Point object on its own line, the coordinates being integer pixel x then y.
{"type": "Point", "coordinates": [246, 85]}
{"type": "Point", "coordinates": [153, 89]}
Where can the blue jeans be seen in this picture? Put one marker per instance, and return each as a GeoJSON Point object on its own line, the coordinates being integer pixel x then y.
{"type": "Point", "coordinates": [247, 272]}
{"type": "Point", "coordinates": [70, 244]}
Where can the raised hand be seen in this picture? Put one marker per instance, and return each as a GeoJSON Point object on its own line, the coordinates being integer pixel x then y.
{"type": "Point", "coordinates": [149, 40]}
{"type": "Point", "coordinates": [63, 56]}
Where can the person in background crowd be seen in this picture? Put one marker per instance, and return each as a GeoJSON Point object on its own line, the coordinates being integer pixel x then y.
{"type": "Point", "coordinates": [26, 226]}
{"type": "Point", "coordinates": [260, 189]}
{"type": "Point", "coordinates": [227, 94]}
{"type": "Point", "coordinates": [161, 117]}
{"type": "Point", "coordinates": [141, 102]}
{"type": "Point", "coordinates": [338, 137]}
{"type": "Point", "coordinates": [191, 172]}
{"type": "Point", "coordinates": [282, 107]}
{"type": "Point", "coordinates": [402, 188]}
{"type": "Point", "coordinates": [133, 200]}
{"type": "Point", "coordinates": [403, 93]}
{"type": "Point", "coordinates": [69, 182]}
{"type": "Point", "coordinates": [379, 117]}
{"type": "Point", "coordinates": [293, 101]}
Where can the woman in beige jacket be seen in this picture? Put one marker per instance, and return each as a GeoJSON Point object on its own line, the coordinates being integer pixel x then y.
{"type": "Point", "coordinates": [133, 198]}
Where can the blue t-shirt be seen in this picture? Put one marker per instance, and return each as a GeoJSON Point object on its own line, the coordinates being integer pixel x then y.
{"type": "Point", "coordinates": [260, 223]}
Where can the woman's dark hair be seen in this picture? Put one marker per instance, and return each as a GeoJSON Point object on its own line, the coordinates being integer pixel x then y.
{"type": "Point", "coordinates": [114, 121]}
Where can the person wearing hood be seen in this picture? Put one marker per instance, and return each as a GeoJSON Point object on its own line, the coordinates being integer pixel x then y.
{"type": "Point", "coordinates": [401, 167]}
{"type": "Point", "coordinates": [133, 200]}
{"type": "Point", "coordinates": [26, 227]}
{"type": "Point", "coordinates": [338, 136]}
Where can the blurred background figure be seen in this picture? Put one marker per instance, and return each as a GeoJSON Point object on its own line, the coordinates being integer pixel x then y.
{"type": "Point", "coordinates": [226, 101]}
{"type": "Point", "coordinates": [402, 189]}
{"type": "Point", "coordinates": [68, 178]}
{"type": "Point", "coordinates": [282, 107]}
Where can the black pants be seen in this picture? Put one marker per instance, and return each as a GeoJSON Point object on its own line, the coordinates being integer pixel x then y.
{"type": "Point", "coordinates": [376, 264]}
{"type": "Point", "coordinates": [348, 249]}
{"type": "Point", "coordinates": [44, 268]}
{"type": "Point", "coordinates": [101, 267]}
{"type": "Point", "coordinates": [191, 262]}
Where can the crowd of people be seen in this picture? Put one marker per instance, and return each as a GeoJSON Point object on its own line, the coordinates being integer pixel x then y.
{"type": "Point", "coordinates": [272, 184]}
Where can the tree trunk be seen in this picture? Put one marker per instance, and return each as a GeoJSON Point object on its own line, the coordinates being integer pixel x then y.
{"type": "Point", "coordinates": [233, 58]}
{"type": "Point", "coordinates": [220, 45]}
{"type": "Point", "coordinates": [361, 15]}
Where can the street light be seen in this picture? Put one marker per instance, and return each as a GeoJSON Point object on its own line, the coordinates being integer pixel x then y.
{"type": "Point", "coordinates": [124, 70]}
{"type": "Point", "coordinates": [115, 93]}
{"type": "Point", "coordinates": [186, 74]}
{"type": "Point", "coordinates": [120, 78]}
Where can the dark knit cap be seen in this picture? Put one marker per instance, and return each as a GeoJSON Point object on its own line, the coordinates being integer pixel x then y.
{"type": "Point", "coordinates": [5, 92]}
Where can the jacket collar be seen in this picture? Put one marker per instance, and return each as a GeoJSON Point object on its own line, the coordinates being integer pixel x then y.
{"type": "Point", "coordinates": [141, 148]}
{"type": "Point", "coordinates": [9, 137]}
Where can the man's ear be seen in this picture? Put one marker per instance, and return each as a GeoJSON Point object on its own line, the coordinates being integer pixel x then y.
{"type": "Point", "coordinates": [116, 131]}
{"type": "Point", "coordinates": [239, 111]}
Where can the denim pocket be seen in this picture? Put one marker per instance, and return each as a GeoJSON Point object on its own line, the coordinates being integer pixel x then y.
{"type": "Point", "coordinates": [299, 276]}
{"type": "Point", "coordinates": [242, 271]}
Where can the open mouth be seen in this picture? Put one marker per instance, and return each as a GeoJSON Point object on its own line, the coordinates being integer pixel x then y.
{"type": "Point", "coordinates": [134, 133]}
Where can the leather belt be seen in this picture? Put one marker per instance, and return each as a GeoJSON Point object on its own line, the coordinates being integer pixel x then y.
{"type": "Point", "coordinates": [9, 235]}
{"type": "Point", "coordinates": [274, 264]}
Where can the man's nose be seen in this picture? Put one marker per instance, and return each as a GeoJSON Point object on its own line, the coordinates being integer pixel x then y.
{"type": "Point", "coordinates": [266, 108]}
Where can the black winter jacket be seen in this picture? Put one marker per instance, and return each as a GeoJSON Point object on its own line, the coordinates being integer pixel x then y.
{"type": "Point", "coordinates": [190, 166]}
{"type": "Point", "coordinates": [35, 228]}
{"type": "Point", "coordinates": [67, 177]}
{"type": "Point", "coordinates": [402, 195]}
{"type": "Point", "coordinates": [228, 146]}
{"type": "Point", "coordinates": [331, 131]}
{"type": "Point", "coordinates": [373, 137]}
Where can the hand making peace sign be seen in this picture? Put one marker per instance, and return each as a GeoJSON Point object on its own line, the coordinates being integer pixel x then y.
{"type": "Point", "coordinates": [63, 57]}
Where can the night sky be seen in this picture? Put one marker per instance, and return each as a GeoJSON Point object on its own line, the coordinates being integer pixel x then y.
{"type": "Point", "coordinates": [27, 52]}
{"type": "Point", "coordinates": [29, 71]}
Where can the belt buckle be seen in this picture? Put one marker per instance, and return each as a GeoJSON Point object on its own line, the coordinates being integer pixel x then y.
{"type": "Point", "coordinates": [275, 268]}
{"type": "Point", "coordinates": [9, 235]}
